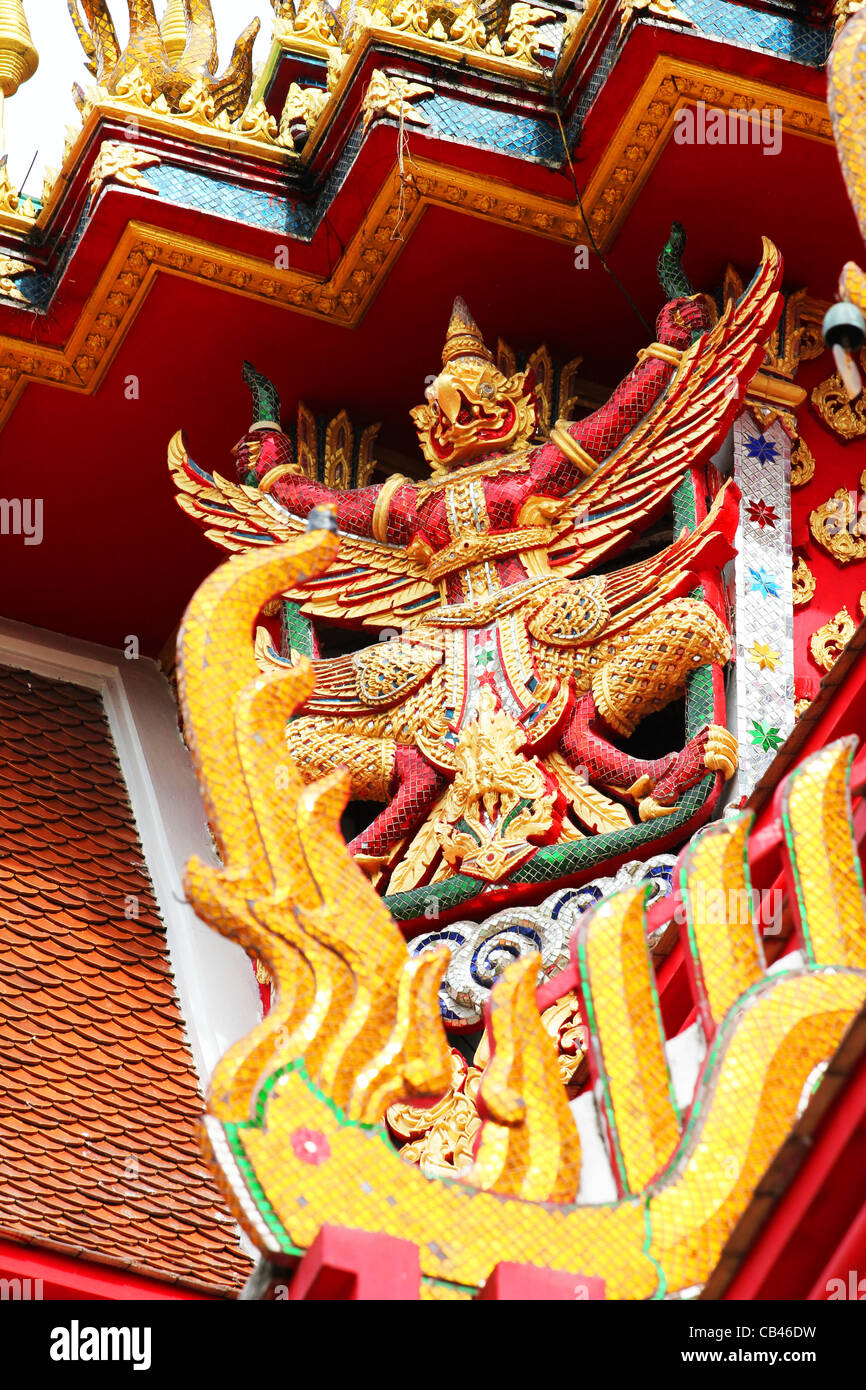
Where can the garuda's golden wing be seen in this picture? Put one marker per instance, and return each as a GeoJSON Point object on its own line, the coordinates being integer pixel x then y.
{"type": "Point", "coordinates": [687, 423]}
{"type": "Point", "coordinates": [369, 584]}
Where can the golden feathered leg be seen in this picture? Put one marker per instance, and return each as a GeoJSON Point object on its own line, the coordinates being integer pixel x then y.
{"type": "Point", "coordinates": [645, 676]}
{"type": "Point", "coordinates": [381, 770]}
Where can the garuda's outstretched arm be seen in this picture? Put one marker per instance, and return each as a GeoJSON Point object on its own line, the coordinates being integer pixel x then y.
{"type": "Point", "coordinates": [384, 512]}
{"type": "Point", "coordinates": [642, 454]}
{"type": "Point", "coordinates": [564, 464]}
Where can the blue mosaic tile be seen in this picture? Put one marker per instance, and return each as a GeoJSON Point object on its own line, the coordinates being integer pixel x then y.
{"type": "Point", "coordinates": [785, 35]}
{"type": "Point", "coordinates": [194, 189]}
{"type": "Point", "coordinates": [511, 132]}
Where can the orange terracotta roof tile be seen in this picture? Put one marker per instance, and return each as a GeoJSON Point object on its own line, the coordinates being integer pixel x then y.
{"type": "Point", "coordinates": [99, 1102]}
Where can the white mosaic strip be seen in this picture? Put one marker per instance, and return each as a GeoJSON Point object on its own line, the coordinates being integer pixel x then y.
{"type": "Point", "coordinates": [764, 611]}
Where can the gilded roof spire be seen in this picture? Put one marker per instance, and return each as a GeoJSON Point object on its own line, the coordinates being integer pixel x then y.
{"type": "Point", "coordinates": [173, 29]}
{"type": "Point", "coordinates": [18, 56]}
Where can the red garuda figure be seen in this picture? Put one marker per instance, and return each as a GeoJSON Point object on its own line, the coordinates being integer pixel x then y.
{"type": "Point", "coordinates": [491, 724]}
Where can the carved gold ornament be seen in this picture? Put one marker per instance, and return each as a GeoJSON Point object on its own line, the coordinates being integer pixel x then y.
{"type": "Point", "coordinates": [662, 9]}
{"type": "Point", "coordinates": [11, 269]}
{"type": "Point", "coordinates": [845, 417]}
{"type": "Point", "coordinates": [802, 582]}
{"type": "Point", "coordinates": [189, 76]}
{"type": "Point", "coordinates": [800, 707]}
{"type": "Point", "coordinates": [802, 462]}
{"type": "Point", "coordinates": [842, 12]}
{"type": "Point", "coordinates": [838, 526]}
{"type": "Point", "coordinates": [10, 199]}
{"type": "Point", "coordinates": [861, 603]}
{"type": "Point", "coordinates": [441, 1138]}
{"type": "Point", "coordinates": [521, 36]}
{"type": "Point", "coordinates": [498, 798]}
{"type": "Point", "coordinates": [827, 643]}
{"type": "Point", "coordinates": [390, 96]}
{"type": "Point", "coordinates": [304, 104]}
{"type": "Point", "coordinates": [120, 162]}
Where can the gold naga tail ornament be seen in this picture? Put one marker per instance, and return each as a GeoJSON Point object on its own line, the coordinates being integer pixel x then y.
{"type": "Point", "coordinates": [295, 1113]}
{"type": "Point", "coordinates": [175, 62]}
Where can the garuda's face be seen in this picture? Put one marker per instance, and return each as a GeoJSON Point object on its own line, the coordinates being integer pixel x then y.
{"type": "Point", "coordinates": [472, 410]}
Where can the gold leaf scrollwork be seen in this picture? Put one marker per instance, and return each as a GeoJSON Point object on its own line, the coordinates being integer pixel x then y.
{"type": "Point", "coordinates": [120, 162]}
{"type": "Point", "coordinates": [522, 40]}
{"type": "Point", "coordinates": [663, 9]}
{"type": "Point", "coordinates": [11, 201]}
{"type": "Point", "coordinates": [837, 528]}
{"type": "Point", "coordinates": [802, 583]}
{"type": "Point", "coordinates": [802, 462]}
{"type": "Point", "coordinates": [827, 643]}
{"type": "Point", "coordinates": [390, 96]}
{"type": "Point", "coordinates": [11, 268]}
{"type": "Point", "coordinates": [441, 1138]}
{"type": "Point", "coordinates": [845, 417]}
{"type": "Point", "coordinates": [498, 798]}
{"type": "Point", "coordinates": [467, 30]}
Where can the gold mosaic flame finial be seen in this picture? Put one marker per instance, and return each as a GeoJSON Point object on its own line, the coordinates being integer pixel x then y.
{"type": "Point", "coordinates": [172, 26]}
{"type": "Point", "coordinates": [463, 338]}
{"type": "Point", "coordinates": [18, 56]}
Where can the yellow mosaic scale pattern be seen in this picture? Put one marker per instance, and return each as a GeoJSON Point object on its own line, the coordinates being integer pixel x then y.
{"type": "Point", "coordinates": [817, 799]}
{"type": "Point", "coordinates": [295, 1110]}
{"type": "Point", "coordinates": [627, 1040]}
{"type": "Point", "coordinates": [722, 937]}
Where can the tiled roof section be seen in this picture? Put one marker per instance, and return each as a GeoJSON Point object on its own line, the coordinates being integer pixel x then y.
{"type": "Point", "coordinates": [99, 1105]}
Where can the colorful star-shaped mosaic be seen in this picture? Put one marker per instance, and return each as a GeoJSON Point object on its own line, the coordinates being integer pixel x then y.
{"type": "Point", "coordinates": [761, 449]}
{"type": "Point", "coordinates": [762, 514]}
{"type": "Point", "coordinates": [767, 738]}
{"type": "Point", "coordinates": [764, 656]}
{"type": "Point", "coordinates": [484, 657]}
{"type": "Point", "coordinates": [763, 583]}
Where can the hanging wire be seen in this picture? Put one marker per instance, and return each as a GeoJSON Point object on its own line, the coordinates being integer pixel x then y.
{"type": "Point", "coordinates": [592, 241]}
{"type": "Point", "coordinates": [403, 158]}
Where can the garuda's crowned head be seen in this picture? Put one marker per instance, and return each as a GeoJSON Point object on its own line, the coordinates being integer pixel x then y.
{"type": "Point", "coordinates": [472, 409]}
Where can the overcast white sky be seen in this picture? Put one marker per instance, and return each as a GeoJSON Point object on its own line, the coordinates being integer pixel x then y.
{"type": "Point", "coordinates": [37, 116]}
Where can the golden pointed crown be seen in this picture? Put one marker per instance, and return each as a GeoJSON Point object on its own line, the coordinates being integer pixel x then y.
{"type": "Point", "coordinates": [463, 338]}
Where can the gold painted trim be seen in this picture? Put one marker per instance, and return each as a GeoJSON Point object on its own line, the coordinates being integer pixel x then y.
{"type": "Point", "coordinates": [383, 502]}
{"type": "Point", "coordinates": [663, 352]}
{"type": "Point", "coordinates": [345, 297]}
{"type": "Point", "coordinates": [648, 125]}
{"type": "Point", "coordinates": [573, 451]}
{"type": "Point", "coordinates": [273, 475]}
{"type": "Point", "coordinates": [775, 391]}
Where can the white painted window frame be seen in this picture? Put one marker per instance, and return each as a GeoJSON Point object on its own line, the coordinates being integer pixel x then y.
{"type": "Point", "coordinates": [213, 977]}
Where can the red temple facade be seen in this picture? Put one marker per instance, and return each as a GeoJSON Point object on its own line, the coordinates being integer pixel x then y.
{"type": "Point", "coordinates": [484, 834]}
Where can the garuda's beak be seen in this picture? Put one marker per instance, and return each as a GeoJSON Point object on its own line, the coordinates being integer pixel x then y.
{"type": "Point", "coordinates": [449, 400]}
